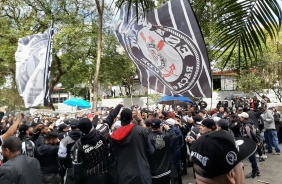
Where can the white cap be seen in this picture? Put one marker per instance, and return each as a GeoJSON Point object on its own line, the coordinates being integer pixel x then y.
{"type": "Point", "coordinates": [271, 107]}
{"type": "Point", "coordinates": [244, 115]}
{"type": "Point", "coordinates": [170, 121]}
{"type": "Point", "coordinates": [216, 119]}
{"type": "Point", "coordinates": [117, 124]}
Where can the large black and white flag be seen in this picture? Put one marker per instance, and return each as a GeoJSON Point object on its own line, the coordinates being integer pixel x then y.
{"type": "Point", "coordinates": [33, 63]}
{"type": "Point", "coordinates": [168, 49]}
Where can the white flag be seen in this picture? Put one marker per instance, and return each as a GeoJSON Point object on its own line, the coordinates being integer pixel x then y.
{"type": "Point", "coordinates": [33, 62]}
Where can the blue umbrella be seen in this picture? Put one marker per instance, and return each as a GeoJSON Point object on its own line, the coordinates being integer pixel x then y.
{"type": "Point", "coordinates": [174, 100]}
{"type": "Point", "coordinates": [77, 102]}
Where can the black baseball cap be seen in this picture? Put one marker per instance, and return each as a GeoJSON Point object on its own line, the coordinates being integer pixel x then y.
{"type": "Point", "coordinates": [73, 123]}
{"type": "Point", "coordinates": [156, 123]}
{"type": "Point", "coordinates": [84, 125]}
{"type": "Point", "coordinates": [223, 123]}
{"type": "Point", "coordinates": [125, 116]}
{"type": "Point", "coordinates": [23, 128]}
{"type": "Point", "coordinates": [198, 119]}
{"type": "Point", "coordinates": [218, 152]}
{"type": "Point", "coordinates": [62, 127]}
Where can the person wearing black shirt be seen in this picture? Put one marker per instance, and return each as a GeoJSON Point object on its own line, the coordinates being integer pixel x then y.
{"type": "Point", "coordinates": [160, 158]}
{"type": "Point", "coordinates": [235, 125]}
{"type": "Point", "coordinates": [42, 136]}
{"type": "Point", "coordinates": [18, 168]}
{"type": "Point", "coordinates": [202, 104]}
{"type": "Point", "coordinates": [64, 152]}
{"type": "Point", "coordinates": [48, 159]}
{"type": "Point", "coordinates": [27, 144]}
{"type": "Point", "coordinates": [63, 130]}
{"type": "Point", "coordinates": [256, 102]}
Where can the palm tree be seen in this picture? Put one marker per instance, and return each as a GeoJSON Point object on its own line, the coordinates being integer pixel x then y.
{"type": "Point", "coordinates": [240, 25]}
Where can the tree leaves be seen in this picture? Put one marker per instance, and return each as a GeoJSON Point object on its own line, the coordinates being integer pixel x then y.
{"type": "Point", "coordinates": [244, 25]}
{"type": "Point", "coordinates": [145, 4]}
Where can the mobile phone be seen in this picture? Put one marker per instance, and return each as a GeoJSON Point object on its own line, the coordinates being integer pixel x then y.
{"type": "Point", "coordinates": [190, 137]}
{"type": "Point", "coordinates": [36, 119]}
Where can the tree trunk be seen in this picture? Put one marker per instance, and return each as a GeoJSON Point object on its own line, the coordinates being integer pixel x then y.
{"type": "Point", "coordinates": [121, 94]}
{"type": "Point", "coordinates": [131, 96]}
{"type": "Point", "coordinates": [100, 8]}
{"type": "Point", "coordinates": [14, 87]}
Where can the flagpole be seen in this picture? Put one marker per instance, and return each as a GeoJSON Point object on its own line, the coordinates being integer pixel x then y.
{"type": "Point", "coordinates": [51, 32]}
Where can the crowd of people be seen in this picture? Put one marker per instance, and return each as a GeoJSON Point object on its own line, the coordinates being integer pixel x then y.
{"type": "Point", "coordinates": [236, 101]}
{"type": "Point", "coordinates": [134, 145]}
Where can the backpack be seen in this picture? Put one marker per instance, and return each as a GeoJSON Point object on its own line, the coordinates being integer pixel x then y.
{"type": "Point", "coordinates": [28, 148]}
{"type": "Point", "coordinates": [248, 130]}
{"type": "Point", "coordinates": [103, 129]}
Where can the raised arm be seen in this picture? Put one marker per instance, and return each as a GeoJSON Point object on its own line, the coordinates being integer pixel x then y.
{"type": "Point", "coordinates": [113, 114]}
{"type": "Point", "coordinates": [13, 128]}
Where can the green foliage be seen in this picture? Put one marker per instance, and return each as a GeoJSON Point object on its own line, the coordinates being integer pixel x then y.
{"type": "Point", "coordinates": [154, 98]}
{"type": "Point", "coordinates": [145, 4]}
{"type": "Point", "coordinates": [115, 67]}
{"type": "Point", "coordinates": [10, 98]}
{"type": "Point", "coordinates": [161, 2]}
{"type": "Point", "coordinates": [267, 71]}
{"type": "Point", "coordinates": [8, 42]}
{"type": "Point", "coordinates": [75, 28]}
{"type": "Point", "coordinates": [74, 43]}
{"type": "Point", "coordinates": [235, 33]}
{"type": "Point", "coordinates": [249, 82]}
{"type": "Point", "coordinates": [242, 26]}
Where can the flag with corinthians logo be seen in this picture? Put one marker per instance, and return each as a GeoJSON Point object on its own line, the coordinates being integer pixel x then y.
{"type": "Point", "coordinates": [168, 49]}
{"type": "Point", "coordinates": [33, 63]}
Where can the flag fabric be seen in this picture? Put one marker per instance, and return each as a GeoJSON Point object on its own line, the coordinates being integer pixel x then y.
{"type": "Point", "coordinates": [33, 63]}
{"type": "Point", "coordinates": [167, 48]}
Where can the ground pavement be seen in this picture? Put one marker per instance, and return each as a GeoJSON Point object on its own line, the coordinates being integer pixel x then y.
{"type": "Point", "coordinates": [270, 169]}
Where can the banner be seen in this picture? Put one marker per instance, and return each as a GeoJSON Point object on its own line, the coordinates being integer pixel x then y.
{"type": "Point", "coordinates": [168, 49]}
{"type": "Point", "coordinates": [33, 63]}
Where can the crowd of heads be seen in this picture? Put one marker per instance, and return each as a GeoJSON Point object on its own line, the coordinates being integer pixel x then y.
{"type": "Point", "coordinates": [210, 134]}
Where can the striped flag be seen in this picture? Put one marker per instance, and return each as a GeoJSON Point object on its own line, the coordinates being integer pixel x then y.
{"type": "Point", "coordinates": [168, 49]}
{"type": "Point", "coordinates": [33, 63]}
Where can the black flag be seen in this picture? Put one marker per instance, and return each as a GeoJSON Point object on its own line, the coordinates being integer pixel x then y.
{"type": "Point", "coordinates": [168, 49]}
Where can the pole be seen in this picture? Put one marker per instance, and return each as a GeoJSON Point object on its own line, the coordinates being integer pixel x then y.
{"type": "Point", "coordinates": [147, 98]}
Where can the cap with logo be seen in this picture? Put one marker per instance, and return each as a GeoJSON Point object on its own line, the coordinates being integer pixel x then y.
{"type": "Point", "coordinates": [198, 119]}
{"type": "Point", "coordinates": [217, 153]}
{"type": "Point", "coordinates": [156, 123]}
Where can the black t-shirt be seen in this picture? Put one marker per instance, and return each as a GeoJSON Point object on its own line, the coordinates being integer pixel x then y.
{"type": "Point", "coordinates": [160, 159]}
{"type": "Point", "coordinates": [203, 104]}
